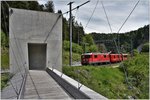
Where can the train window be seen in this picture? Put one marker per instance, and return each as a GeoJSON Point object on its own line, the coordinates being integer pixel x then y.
{"type": "Point", "coordinates": [104, 56]}
{"type": "Point", "coordinates": [95, 56]}
{"type": "Point", "coordinates": [87, 56]}
{"type": "Point", "coordinates": [125, 56]}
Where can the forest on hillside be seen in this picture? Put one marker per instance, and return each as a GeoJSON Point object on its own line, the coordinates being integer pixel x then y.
{"type": "Point", "coordinates": [129, 40]}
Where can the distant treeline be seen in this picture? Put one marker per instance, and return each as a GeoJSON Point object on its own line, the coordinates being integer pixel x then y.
{"type": "Point", "coordinates": [127, 40]}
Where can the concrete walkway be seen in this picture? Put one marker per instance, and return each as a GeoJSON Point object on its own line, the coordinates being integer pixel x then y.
{"type": "Point", "coordinates": [42, 86]}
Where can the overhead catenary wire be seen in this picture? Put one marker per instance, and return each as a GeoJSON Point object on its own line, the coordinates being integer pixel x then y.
{"type": "Point", "coordinates": [77, 6]}
{"type": "Point", "coordinates": [76, 14]}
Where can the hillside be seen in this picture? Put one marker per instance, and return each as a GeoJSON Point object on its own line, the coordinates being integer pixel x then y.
{"type": "Point", "coordinates": [127, 40]}
{"type": "Point", "coordinates": [111, 82]}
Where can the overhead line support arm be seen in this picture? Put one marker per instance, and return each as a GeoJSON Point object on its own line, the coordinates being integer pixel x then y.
{"type": "Point", "coordinates": [77, 6]}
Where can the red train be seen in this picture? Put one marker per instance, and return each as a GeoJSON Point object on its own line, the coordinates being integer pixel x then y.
{"type": "Point", "coordinates": [97, 58]}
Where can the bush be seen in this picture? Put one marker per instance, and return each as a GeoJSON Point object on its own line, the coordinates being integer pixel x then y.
{"type": "Point", "coordinates": [75, 47]}
{"type": "Point", "coordinates": [4, 40]}
{"type": "Point", "coordinates": [135, 52]}
{"type": "Point", "coordinates": [138, 73]}
{"type": "Point", "coordinates": [145, 47]}
{"type": "Point", "coordinates": [5, 60]}
{"type": "Point", "coordinates": [4, 79]}
{"type": "Point", "coordinates": [93, 48]}
{"type": "Point", "coordinates": [75, 57]}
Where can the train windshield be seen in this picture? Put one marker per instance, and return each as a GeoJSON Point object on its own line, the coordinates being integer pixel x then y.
{"type": "Point", "coordinates": [87, 56]}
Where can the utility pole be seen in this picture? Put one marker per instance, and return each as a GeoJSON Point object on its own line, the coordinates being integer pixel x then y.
{"type": "Point", "coordinates": [70, 25]}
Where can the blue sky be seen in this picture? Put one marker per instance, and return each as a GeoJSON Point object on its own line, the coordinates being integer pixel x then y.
{"type": "Point", "coordinates": [117, 11]}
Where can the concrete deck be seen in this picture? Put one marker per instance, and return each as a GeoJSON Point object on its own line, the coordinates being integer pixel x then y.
{"type": "Point", "coordinates": [43, 86]}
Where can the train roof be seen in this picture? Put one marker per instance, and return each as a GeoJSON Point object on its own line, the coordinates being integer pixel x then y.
{"type": "Point", "coordinates": [95, 53]}
{"type": "Point", "coordinates": [101, 53]}
{"type": "Point", "coordinates": [124, 54]}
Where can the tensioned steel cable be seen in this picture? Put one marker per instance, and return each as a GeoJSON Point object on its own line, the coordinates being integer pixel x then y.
{"type": "Point", "coordinates": [52, 28]}
{"type": "Point", "coordinates": [25, 71]}
{"type": "Point", "coordinates": [92, 14]}
{"type": "Point", "coordinates": [109, 24]}
{"type": "Point", "coordinates": [6, 4]}
{"type": "Point", "coordinates": [128, 16]}
{"type": "Point", "coordinates": [4, 18]}
{"type": "Point", "coordinates": [106, 16]}
{"type": "Point", "coordinates": [119, 31]}
{"type": "Point", "coordinates": [5, 25]}
{"type": "Point", "coordinates": [23, 65]}
{"type": "Point", "coordinates": [14, 56]}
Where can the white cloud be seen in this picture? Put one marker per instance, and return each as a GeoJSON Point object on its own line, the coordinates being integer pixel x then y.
{"type": "Point", "coordinates": [117, 11]}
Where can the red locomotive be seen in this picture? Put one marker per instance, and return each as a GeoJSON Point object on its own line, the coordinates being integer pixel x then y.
{"type": "Point", "coordinates": [97, 58]}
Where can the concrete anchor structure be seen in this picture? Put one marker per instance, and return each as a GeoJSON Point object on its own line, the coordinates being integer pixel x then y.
{"type": "Point", "coordinates": [35, 43]}
{"type": "Point", "coordinates": [35, 40]}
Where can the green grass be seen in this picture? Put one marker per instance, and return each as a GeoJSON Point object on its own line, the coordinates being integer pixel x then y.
{"type": "Point", "coordinates": [75, 57]}
{"type": "Point", "coordinates": [4, 79]}
{"type": "Point", "coordinates": [111, 83]}
{"type": "Point", "coordinates": [5, 58]}
{"type": "Point", "coordinates": [106, 81]}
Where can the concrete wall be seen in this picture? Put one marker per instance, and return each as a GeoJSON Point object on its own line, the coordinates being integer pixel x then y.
{"type": "Point", "coordinates": [26, 26]}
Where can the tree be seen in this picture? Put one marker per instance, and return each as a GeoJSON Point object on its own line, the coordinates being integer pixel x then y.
{"type": "Point", "coordinates": [88, 39]}
{"type": "Point", "coordinates": [93, 48]}
{"type": "Point", "coordinates": [145, 47]}
{"type": "Point", "coordinates": [65, 29]}
{"type": "Point", "coordinates": [34, 5]}
{"type": "Point", "coordinates": [49, 6]}
{"type": "Point", "coordinates": [59, 12]}
{"type": "Point", "coordinates": [31, 5]}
